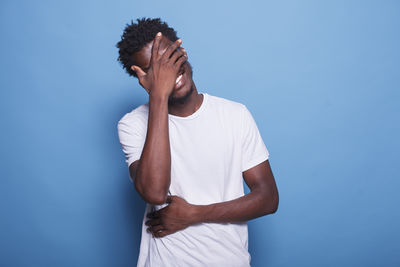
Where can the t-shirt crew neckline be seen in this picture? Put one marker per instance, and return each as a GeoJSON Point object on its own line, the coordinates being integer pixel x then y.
{"type": "Point", "coordinates": [196, 113]}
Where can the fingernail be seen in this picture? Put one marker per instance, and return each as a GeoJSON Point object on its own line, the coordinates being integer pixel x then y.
{"type": "Point", "coordinates": [179, 41]}
{"type": "Point", "coordinates": [159, 34]}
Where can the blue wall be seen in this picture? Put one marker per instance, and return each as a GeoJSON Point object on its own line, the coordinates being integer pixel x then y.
{"type": "Point", "coordinates": [321, 78]}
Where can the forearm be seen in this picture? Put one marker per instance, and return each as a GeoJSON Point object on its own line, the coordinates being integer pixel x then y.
{"type": "Point", "coordinates": [250, 206]}
{"type": "Point", "coordinates": [153, 175]}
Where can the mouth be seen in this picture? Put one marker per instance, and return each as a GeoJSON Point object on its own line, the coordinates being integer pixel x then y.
{"type": "Point", "coordinates": [180, 80]}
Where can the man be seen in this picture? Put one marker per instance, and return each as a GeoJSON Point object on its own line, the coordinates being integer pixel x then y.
{"type": "Point", "coordinates": [188, 153]}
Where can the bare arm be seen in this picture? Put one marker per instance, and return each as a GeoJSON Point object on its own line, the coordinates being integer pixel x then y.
{"type": "Point", "coordinates": [152, 173]}
{"type": "Point", "coordinates": [262, 200]}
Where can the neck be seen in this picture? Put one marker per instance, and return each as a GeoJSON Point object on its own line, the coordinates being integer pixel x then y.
{"type": "Point", "coordinates": [188, 107]}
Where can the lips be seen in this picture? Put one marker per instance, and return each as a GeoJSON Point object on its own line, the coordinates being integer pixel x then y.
{"type": "Point", "coordinates": [180, 80]}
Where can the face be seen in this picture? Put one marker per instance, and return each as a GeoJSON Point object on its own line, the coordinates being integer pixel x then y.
{"type": "Point", "coordinates": [184, 88]}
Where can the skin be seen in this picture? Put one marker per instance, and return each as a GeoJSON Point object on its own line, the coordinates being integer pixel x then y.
{"type": "Point", "coordinates": [158, 65]}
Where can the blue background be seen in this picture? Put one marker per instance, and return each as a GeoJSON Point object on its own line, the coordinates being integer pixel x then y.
{"type": "Point", "coordinates": [321, 79]}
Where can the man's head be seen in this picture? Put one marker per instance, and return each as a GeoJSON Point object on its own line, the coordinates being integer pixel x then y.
{"type": "Point", "coordinates": [136, 45]}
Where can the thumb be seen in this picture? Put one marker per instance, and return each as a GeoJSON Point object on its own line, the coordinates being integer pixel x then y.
{"type": "Point", "coordinates": [139, 72]}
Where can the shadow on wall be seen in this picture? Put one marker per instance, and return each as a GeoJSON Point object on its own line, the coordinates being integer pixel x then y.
{"type": "Point", "coordinates": [129, 203]}
{"type": "Point", "coordinates": [261, 244]}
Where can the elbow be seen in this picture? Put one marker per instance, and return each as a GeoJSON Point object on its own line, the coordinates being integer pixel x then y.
{"type": "Point", "coordinates": [271, 203]}
{"type": "Point", "coordinates": [155, 199]}
{"type": "Point", "coordinates": [274, 206]}
{"type": "Point", "coordinates": [275, 203]}
{"type": "Point", "coordinates": [151, 195]}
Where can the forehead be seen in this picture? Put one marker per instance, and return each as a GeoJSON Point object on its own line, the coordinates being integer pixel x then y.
{"type": "Point", "coordinates": [142, 57]}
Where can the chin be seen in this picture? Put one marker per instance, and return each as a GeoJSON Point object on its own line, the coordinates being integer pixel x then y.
{"type": "Point", "coordinates": [182, 94]}
{"type": "Point", "coordinates": [183, 91]}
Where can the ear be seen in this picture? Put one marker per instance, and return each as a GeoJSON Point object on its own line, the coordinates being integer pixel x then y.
{"type": "Point", "coordinates": [139, 72]}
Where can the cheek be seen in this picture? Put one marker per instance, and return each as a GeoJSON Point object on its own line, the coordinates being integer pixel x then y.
{"type": "Point", "coordinates": [188, 69]}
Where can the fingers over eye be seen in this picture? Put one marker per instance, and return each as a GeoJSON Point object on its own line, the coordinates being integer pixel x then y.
{"type": "Point", "coordinates": [180, 61]}
{"type": "Point", "coordinates": [156, 46]}
{"type": "Point", "coordinates": [175, 56]}
{"type": "Point", "coordinates": [171, 49]}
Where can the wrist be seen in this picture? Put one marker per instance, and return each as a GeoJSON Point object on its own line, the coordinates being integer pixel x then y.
{"type": "Point", "coordinates": [197, 214]}
{"type": "Point", "coordinates": [157, 97]}
{"type": "Point", "coordinates": [158, 93]}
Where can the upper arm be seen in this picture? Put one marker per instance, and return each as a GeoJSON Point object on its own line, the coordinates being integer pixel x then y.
{"type": "Point", "coordinates": [256, 169]}
{"type": "Point", "coordinates": [261, 179]}
{"type": "Point", "coordinates": [131, 133]}
{"type": "Point", "coordinates": [253, 149]}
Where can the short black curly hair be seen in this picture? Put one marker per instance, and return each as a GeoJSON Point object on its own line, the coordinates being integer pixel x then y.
{"type": "Point", "coordinates": [137, 35]}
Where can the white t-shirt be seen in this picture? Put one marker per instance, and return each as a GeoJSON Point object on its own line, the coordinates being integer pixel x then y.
{"type": "Point", "coordinates": [209, 151]}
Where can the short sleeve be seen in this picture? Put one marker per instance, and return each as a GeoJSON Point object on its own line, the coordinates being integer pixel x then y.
{"type": "Point", "coordinates": [131, 133]}
{"type": "Point", "coordinates": [254, 150]}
